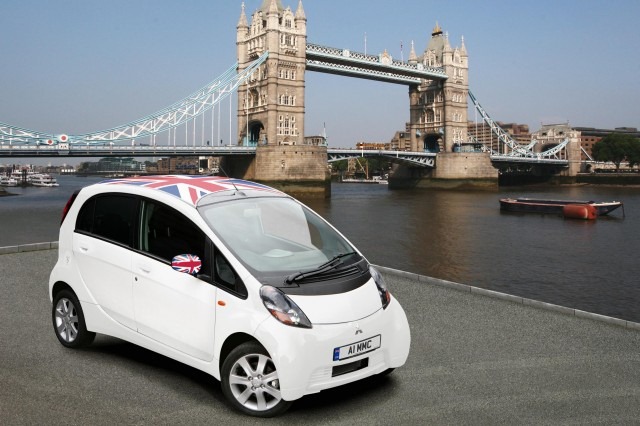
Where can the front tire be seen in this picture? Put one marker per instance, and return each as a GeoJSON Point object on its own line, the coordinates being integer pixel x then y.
{"type": "Point", "coordinates": [68, 321]}
{"type": "Point", "coordinates": [250, 381]}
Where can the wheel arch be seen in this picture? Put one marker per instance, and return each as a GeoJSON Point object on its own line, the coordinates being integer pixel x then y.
{"type": "Point", "coordinates": [232, 342]}
{"type": "Point", "coordinates": [58, 287]}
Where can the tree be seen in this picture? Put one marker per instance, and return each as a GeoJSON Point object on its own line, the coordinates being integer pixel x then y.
{"type": "Point", "coordinates": [634, 153]}
{"type": "Point", "coordinates": [614, 147]}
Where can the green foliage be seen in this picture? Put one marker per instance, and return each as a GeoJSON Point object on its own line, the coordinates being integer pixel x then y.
{"type": "Point", "coordinates": [634, 153]}
{"type": "Point", "coordinates": [84, 166]}
{"type": "Point", "coordinates": [340, 165]}
{"type": "Point", "coordinates": [616, 147]}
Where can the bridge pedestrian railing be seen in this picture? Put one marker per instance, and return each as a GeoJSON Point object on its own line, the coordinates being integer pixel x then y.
{"type": "Point", "coordinates": [117, 150]}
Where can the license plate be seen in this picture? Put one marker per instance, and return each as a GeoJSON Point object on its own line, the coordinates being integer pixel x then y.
{"type": "Point", "coordinates": [358, 348]}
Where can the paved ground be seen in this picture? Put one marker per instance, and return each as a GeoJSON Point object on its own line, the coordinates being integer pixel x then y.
{"type": "Point", "coordinates": [474, 360]}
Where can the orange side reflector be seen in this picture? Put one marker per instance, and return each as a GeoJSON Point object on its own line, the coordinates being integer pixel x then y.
{"type": "Point", "coordinates": [222, 303]}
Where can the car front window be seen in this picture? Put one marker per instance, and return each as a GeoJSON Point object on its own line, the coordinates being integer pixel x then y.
{"type": "Point", "coordinates": [274, 235]}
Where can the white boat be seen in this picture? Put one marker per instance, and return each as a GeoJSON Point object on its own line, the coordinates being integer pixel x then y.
{"type": "Point", "coordinates": [43, 179]}
{"type": "Point", "coordinates": [22, 176]}
{"type": "Point", "coordinates": [375, 179]}
{"type": "Point", "coordinates": [8, 181]}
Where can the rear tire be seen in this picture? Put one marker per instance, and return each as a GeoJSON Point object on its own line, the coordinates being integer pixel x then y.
{"type": "Point", "coordinates": [68, 321]}
{"type": "Point", "coordinates": [250, 381]}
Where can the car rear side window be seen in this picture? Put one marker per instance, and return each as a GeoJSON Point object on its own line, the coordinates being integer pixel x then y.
{"type": "Point", "coordinates": [166, 233]}
{"type": "Point", "coordinates": [110, 216]}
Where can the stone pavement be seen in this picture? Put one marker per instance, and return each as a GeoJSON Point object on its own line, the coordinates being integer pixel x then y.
{"type": "Point", "coordinates": [474, 360]}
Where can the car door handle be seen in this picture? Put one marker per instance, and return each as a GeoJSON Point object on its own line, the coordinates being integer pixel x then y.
{"type": "Point", "coordinates": [84, 248]}
{"type": "Point", "coordinates": [145, 269]}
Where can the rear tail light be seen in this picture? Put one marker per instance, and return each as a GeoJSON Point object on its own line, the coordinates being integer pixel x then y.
{"type": "Point", "coordinates": [68, 205]}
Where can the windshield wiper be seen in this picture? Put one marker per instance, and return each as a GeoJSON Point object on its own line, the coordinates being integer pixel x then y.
{"type": "Point", "coordinates": [327, 266]}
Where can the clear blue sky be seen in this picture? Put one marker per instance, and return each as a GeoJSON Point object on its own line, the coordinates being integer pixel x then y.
{"type": "Point", "coordinates": [76, 66]}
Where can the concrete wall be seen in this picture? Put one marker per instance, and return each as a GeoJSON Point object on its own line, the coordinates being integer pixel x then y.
{"type": "Point", "coordinates": [299, 170]}
{"type": "Point", "coordinates": [465, 165]}
{"type": "Point", "coordinates": [453, 171]}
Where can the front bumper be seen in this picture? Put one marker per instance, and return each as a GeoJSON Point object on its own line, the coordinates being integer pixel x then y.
{"type": "Point", "coordinates": [304, 357]}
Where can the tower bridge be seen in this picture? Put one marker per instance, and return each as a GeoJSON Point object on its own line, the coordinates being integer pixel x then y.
{"type": "Point", "coordinates": [269, 82]}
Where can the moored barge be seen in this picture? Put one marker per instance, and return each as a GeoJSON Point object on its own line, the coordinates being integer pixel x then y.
{"type": "Point", "coordinates": [536, 205]}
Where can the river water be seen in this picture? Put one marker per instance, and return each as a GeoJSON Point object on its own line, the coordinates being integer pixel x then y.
{"type": "Point", "coordinates": [457, 236]}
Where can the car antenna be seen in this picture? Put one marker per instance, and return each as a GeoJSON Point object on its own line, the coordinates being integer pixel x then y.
{"type": "Point", "coordinates": [231, 180]}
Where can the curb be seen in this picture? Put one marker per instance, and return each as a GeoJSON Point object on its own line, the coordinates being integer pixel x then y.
{"type": "Point", "coordinates": [29, 247]}
{"type": "Point", "coordinates": [511, 298]}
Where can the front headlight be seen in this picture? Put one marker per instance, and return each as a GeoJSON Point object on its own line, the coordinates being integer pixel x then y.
{"type": "Point", "coordinates": [282, 308]}
{"type": "Point", "coordinates": [385, 296]}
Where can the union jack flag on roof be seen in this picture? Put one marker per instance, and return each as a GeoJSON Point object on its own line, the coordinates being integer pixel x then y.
{"type": "Point", "coordinates": [190, 188]}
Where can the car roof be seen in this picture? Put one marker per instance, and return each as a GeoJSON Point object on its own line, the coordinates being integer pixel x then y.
{"type": "Point", "coordinates": [191, 188]}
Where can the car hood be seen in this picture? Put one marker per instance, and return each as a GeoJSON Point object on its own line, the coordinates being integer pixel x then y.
{"type": "Point", "coordinates": [340, 308]}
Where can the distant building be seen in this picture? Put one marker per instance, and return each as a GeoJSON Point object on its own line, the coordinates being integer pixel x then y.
{"type": "Point", "coordinates": [589, 136]}
{"type": "Point", "coordinates": [372, 145]}
{"type": "Point", "coordinates": [114, 165]}
{"type": "Point", "coordinates": [209, 165]}
{"type": "Point", "coordinates": [188, 165]}
{"type": "Point", "coordinates": [481, 133]}
{"type": "Point", "coordinates": [319, 140]}
{"type": "Point", "coordinates": [401, 141]}
{"type": "Point", "coordinates": [179, 165]}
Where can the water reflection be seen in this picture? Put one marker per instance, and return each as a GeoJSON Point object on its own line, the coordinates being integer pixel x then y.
{"type": "Point", "coordinates": [463, 237]}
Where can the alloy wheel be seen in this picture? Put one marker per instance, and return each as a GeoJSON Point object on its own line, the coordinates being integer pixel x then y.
{"type": "Point", "coordinates": [66, 320]}
{"type": "Point", "coordinates": [254, 383]}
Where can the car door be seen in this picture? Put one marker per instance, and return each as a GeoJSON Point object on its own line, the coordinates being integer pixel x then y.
{"type": "Point", "coordinates": [102, 244]}
{"type": "Point", "coordinates": [171, 307]}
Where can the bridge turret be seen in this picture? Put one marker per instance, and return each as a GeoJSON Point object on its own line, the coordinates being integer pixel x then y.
{"type": "Point", "coordinates": [242, 33]}
{"type": "Point", "coordinates": [300, 15]}
{"type": "Point", "coordinates": [266, 6]}
{"type": "Point", "coordinates": [301, 20]}
{"type": "Point", "coordinates": [242, 22]}
{"type": "Point", "coordinates": [273, 15]}
{"type": "Point", "coordinates": [413, 58]}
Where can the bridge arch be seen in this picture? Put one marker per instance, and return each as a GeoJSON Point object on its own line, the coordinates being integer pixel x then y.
{"type": "Point", "coordinates": [432, 142]}
{"type": "Point", "coordinates": [256, 133]}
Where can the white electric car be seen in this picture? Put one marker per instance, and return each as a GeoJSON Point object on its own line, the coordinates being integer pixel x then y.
{"type": "Point", "coordinates": [230, 277]}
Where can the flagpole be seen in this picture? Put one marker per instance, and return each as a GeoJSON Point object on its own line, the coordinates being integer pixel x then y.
{"type": "Point", "coordinates": [365, 44]}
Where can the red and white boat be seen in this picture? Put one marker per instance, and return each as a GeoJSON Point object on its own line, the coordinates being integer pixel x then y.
{"type": "Point", "coordinates": [537, 205]}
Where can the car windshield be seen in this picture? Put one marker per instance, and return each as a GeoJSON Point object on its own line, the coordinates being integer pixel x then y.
{"type": "Point", "coordinates": [276, 235]}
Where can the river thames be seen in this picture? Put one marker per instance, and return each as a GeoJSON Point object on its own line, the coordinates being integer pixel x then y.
{"type": "Point", "coordinates": [452, 235]}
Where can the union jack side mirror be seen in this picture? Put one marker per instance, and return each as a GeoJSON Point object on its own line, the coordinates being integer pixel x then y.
{"type": "Point", "coordinates": [187, 264]}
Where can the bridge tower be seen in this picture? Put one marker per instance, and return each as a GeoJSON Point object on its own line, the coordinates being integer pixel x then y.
{"type": "Point", "coordinates": [271, 103]}
{"type": "Point", "coordinates": [439, 107]}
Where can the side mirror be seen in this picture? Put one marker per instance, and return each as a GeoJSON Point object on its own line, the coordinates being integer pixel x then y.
{"type": "Point", "coordinates": [187, 264]}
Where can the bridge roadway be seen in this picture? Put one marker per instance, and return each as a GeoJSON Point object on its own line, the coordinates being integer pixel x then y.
{"type": "Point", "coordinates": [420, 159]}
{"type": "Point", "coordinates": [473, 360]}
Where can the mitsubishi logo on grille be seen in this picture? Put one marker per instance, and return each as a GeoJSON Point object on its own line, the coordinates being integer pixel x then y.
{"type": "Point", "coordinates": [358, 330]}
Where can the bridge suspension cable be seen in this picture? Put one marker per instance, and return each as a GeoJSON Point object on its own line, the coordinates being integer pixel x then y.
{"type": "Point", "coordinates": [161, 121]}
{"type": "Point", "coordinates": [505, 138]}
